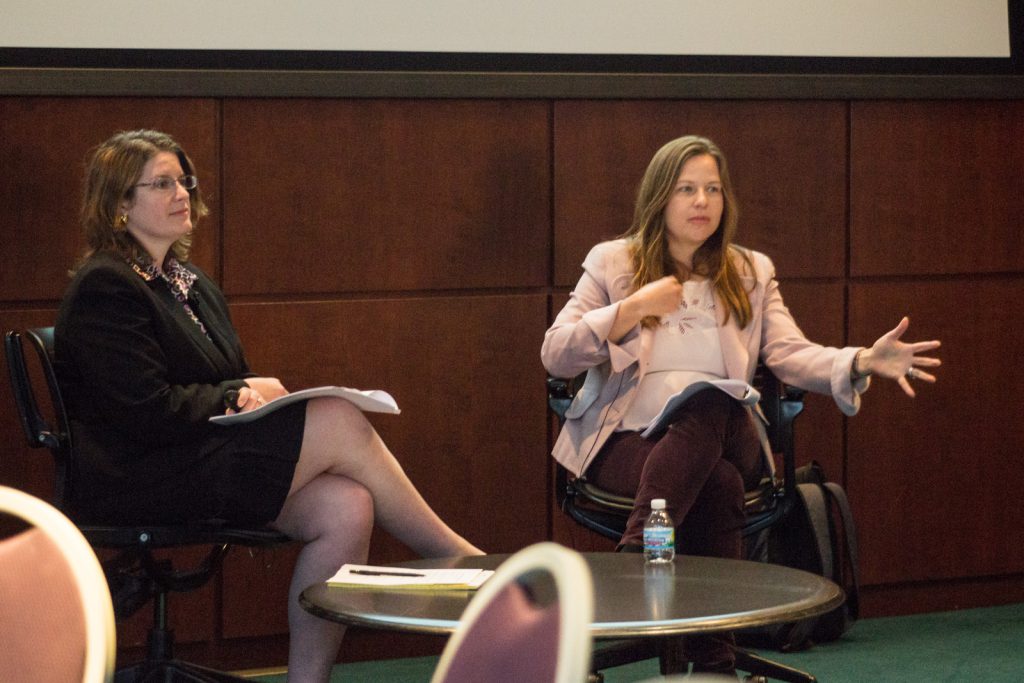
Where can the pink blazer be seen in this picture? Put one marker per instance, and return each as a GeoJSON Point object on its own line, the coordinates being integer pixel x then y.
{"type": "Point", "coordinates": [578, 341]}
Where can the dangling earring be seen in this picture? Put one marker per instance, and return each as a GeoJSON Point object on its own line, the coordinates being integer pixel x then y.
{"type": "Point", "coordinates": [121, 222]}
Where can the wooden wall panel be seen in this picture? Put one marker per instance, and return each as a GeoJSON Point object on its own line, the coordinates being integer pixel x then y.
{"type": "Point", "coordinates": [254, 586]}
{"type": "Point", "coordinates": [941, 596]}
{"type": "Point", "coordinates": [819, 309]}
{"type": "Point", "coordinates": [472, 434]}
{"type": "Point", "coordinates": [935, 482]}
{"type": "Point", "coordinates": [45, 142]}
{"type": "Point", "coordinates": [936, 188]}
{"type": "Point", "coordinates": [786, 159]}
{"type": "Point", "coordinates": [370, 195]}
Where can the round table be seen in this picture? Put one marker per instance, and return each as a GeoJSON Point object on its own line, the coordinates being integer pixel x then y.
{"type": "Point", "coordinates": [632, 599]}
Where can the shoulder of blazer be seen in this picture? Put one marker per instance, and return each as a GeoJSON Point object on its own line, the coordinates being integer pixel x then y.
{"type": "Point", "coordinates": [612, 256]}
{"type": "Point", "coordinates": [764, 269]}
{"type": "Point", "coordinates": [611, 265]}
{"type": "Point", "coordinates": [104, 269]}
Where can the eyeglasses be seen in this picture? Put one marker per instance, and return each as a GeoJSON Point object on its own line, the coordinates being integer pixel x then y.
{"type": "Point", "coordinates": [163, 183]}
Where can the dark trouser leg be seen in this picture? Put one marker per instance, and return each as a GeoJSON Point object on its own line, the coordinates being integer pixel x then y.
{"type": "Point", "coordinates": [702, 467]}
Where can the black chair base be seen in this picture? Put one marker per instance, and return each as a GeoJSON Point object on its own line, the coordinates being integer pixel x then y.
{"type": "Point", "coordinates": [669, 652]}
{"type": "Point", "coordinates": [757, 665]}
{"type": "Point", "coordinates": [160, 666]}
{"type": "Point", "coordinates": [173, 671]}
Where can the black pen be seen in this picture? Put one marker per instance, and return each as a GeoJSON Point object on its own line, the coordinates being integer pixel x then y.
{"type": "Point", "coordinates": [231, 400]}
{"type": "Point", "coordinates": [370, 572]}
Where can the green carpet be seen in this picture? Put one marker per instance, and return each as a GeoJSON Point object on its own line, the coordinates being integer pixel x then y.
{"type": "Point", "coordinates": [952, 647]}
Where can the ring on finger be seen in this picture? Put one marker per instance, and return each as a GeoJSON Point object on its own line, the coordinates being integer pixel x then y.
{"type": "Point", "coordinates": [912, 372]}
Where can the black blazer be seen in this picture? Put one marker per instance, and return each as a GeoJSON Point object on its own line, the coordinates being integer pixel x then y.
{"type": "Point", "coordinates": [140, 378]}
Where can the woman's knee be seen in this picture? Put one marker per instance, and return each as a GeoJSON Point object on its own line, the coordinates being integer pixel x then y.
{"type": "Point", "coordinates": [327, 505]}
{"type": "Point", "coordinates": [333, 428]}
{"type": "Point", "coordinates": [352, 498]}
{"type": "Point", "coordinates": [332, 414]}
{"type": "Point", "coordinates": [724, 492]}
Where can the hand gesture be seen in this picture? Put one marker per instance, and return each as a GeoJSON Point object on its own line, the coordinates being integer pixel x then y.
{"type": "Point", "coordinates": [659, 297]}
{"type": "Point", "coordinates": [654, 299]}
{"type": "Point", "coordinates": [892, 358]}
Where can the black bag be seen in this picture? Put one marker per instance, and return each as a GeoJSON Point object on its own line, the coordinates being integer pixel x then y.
{"type": "Point", "coordinates": [817, 535]}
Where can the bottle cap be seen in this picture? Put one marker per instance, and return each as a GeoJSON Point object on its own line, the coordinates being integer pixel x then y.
{"type": "Point", "coordinates": [658, 504]}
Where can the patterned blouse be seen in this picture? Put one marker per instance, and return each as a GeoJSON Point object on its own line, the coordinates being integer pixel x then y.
{"type": "Point", "coordinates": [178, 278]}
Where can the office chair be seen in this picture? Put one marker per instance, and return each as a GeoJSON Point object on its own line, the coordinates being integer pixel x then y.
{"type": "Point", "coordinates": [56, 616]}
{"type": "Point", "coordinates": [134, 574]}
{"type": "Point", "coordinates": [513, 630]}
{"type": "Point", "coordinates": [606, 513]}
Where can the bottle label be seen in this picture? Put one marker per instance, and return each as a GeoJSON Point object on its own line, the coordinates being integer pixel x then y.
{"type": "Point", "coordinates": [660, 538]}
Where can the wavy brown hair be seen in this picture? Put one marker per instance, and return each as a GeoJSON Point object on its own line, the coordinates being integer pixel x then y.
{"type": "Point", "coordinates": [111, 173]}
{"type": "Point", "coordinates": [646, 237]}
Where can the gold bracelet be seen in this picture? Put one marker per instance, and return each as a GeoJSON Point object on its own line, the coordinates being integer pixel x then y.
{"type": "Point", "coordinates": [855, 374]}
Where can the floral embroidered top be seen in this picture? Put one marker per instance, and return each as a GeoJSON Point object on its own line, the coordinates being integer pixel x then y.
{"type": "Point", "coordinates": [178, 278]}
{"type": "Point", "coordinates": [686, 349]}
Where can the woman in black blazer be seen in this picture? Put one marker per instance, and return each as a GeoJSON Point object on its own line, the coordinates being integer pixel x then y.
{"type": "Point", "coordinates": [146, 354]}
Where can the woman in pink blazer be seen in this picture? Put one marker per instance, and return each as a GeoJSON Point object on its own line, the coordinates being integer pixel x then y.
{"type": "Point", "coordinates": [672, 303]}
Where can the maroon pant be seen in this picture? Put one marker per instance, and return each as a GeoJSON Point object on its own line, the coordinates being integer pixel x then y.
{"type": "Point", "coordinates": [702, 466]}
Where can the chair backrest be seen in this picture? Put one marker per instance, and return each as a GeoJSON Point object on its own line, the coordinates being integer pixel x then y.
{"type": "Point", "coordinates": [56, 616]}
{"type": "Point", "coordinates": [781, 404]}
{"type": "Point", "coordinates": [51, 432]}
{"type": "Point", "coordinates": [508, 634]}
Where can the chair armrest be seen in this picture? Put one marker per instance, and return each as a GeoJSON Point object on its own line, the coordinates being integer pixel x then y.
{"type": "Point", "coordinates": [561, 391]}
{"type": "Point", "coordinates": [781, 404]}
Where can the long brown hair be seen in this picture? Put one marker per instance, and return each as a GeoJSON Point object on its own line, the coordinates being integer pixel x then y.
{"type": "Point", "coordinates": [111, 173]}
{"type": "Point", "coordinates": [648, 244]}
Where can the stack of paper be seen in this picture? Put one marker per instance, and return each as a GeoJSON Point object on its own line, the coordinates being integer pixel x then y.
{"type": "Point", "coordinates": [370, 400]}
{"type": "Point", "coordinates": [367, 576]}
{"type": "Point", "coordinates": [737, 388]}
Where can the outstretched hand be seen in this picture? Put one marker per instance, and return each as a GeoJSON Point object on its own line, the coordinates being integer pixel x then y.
{"type": "Point", "coordinates": [892, 358]}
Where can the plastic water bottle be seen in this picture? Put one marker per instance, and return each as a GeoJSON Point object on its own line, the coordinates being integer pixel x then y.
{"type": "Point", "coordinates": [659, 535]}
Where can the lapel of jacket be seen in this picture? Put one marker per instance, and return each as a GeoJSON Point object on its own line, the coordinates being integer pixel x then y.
{"type": "Point", "coordinates": [737, 345]}
{"type": "Point", "coordinates": [219, 329]}
{"type": "Point", "coordinates": [734, 350]}
{"type": "Point", "coordinates": [210, 350]}
{"type": "Point", "coordinates": [646, 342]}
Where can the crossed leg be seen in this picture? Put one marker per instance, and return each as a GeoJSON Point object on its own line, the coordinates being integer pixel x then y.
{"type": "Point", "coordinates": [345, 480]}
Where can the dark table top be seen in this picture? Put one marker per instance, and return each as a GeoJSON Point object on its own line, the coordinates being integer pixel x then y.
{"type": "Point", "coordinates": [691, 595]}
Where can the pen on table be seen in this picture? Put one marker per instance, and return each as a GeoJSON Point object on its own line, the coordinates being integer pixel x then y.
{"type": "Point", "coordinates": [369, 572]}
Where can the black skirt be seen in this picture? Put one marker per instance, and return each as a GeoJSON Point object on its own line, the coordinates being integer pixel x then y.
{"type": "Point", "coordinates": [242, 480]}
